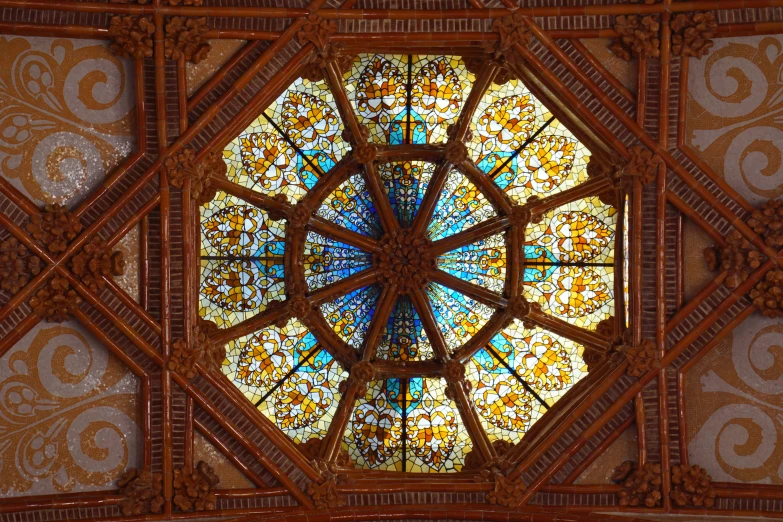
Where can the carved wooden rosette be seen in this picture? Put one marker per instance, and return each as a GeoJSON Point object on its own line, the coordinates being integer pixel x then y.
{"type": "Point", "coordinates": [637, 36]}
{"type": "Point", "coordinates": [511, 30]}
{"type": "Point", "coordinates": [183, 166]}
{"type": "Point", "coordinates": [403, 260]}
{"type": "Point", "coordinates": [324, 491]}
{"type": "Point", "coordinates": [194, 488]}
{"type": "Point", "coordinates": [186, 37]}
{"type": "Point", "coordinates": [17, 265]}
{"type": "Point", "coordinates": [142, 492]}
{"type": "Point", "coordinates": [767, 222]}
{"type": "Point", "coordinates": [96, 262]}
{"type": "Point", "coordinates": [642, 358]}
{"type": "Point", "coordinates": [737, 257]}
{"type": "Point", "coordinates": [642, 165]}
{"type": "Point", "coordinates": [317, 31]}
{"type": "Point", "coordinates": [767, 295]}
{"type": "Point", "coordinates": [639, 487]}
{"type": "Point", "coordinates": [54, 228]}
{"type": "Point", "coordinates": [692, 34]}
{"type": "Point", "coordinates": [692, 487]}
{"type": "Point", "coordinates": [202, 349]}
{"type": "Point", "coordinates": [131, 36]}
{"type": "Point", "coordinates": [506, 492]}
{"type": "Point", "coordinates": [56, 301]}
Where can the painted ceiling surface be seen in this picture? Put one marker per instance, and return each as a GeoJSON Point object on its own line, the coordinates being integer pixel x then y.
{"type": "Point", "coordinates": [422, 260]}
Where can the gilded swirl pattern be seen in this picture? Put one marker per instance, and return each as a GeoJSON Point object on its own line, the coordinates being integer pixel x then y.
{"type": "Point", "coordinates": [735, 114]}
{"type": "Point", "coordinates": [66, 115]}
{"type": "Point", "coordinates": [734, 405]}
{"type": "Point", "coordinates": [68, 414]}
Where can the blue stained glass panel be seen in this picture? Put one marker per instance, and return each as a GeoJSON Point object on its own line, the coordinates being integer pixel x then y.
{"type": "Point", "coordinates": [461, 206]}
{"type": "Point", "coordinates": [350, 315]}
{"type": "Point", "coordinates": [404, 338]}
{"type": "Point", "coordinates": [327, 261]}
{"type": "Point", "coordinates": [350, 206]}
{"type": "Point", "coordinates": [458, 316]}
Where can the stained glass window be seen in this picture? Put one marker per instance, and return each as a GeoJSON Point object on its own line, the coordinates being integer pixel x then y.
{"type": "Point", "coordinates": [405, 264]}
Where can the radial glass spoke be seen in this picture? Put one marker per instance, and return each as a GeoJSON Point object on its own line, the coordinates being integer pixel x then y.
{"type": "Point", "coordinates": [460, 207]}
{"type": "Point", "coordinates": [351, 206]}
{"type": "Point", "coordinates": [327, 261]}
{"type": "Point", "coordinates": [482, 263]}
{"type": "Point", "coordinates": [459, 317]}
{"type": "Point", "coordinates": [404, 338]}
{"type": "Point", "coordinates": [350, 315]}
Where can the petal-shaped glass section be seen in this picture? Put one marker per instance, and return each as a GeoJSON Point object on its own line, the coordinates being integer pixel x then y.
{"type": "Point", "coordinates": [373, 254]}
{"type": "Point", "coordinates": [461, 205]}
{"type": "Point", "coordinates": [290, 378]}
{"type": "Point", "coordinates": [407, 425]}
{"type": "Point", "coordinates": [408, 98]}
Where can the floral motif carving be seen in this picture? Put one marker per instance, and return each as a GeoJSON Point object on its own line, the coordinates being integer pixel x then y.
{"type": "Point", "coordinates": [503, 75]}
{"type": "Point", "coordinates": [17, 265]}
{"type": "Point", "coordinates": [317, 31]}
{"type": "Point", "coordinates": [96, 262]}
{"type": "Point", "coordinates": [637, 36]}
{"type": "Point", "coordinates": [363, 372]}
{"type": "Point", "coordinates": [456, 152]}
{"type": "Point", "coordinates": [767, 296]}
{"type": "Point", "coordinates": [474, 461]}
{"type": "Point", "coordinates": [143, 492]}
{"type": "Point", "coordinates": [506, 492]}
{"type": "Point", "coordinates": [364, 134]}
{"type": "Point", "coordinates": [300, 215]}
{"type": "Point", "coordinates": [737, 257]}
{"type": "Point", "coordinates": [131, 36]}
{"type": "Point", "coordinates": [692, 486]}
{"type": "Point", "coordinates": [692, 33]}
{"type": "Point", "coordinates": [768, 223]}
{"type": "Point", "coordinates": [519, 307]}
{"type": "Point", "coordinates": [639, 487]}
{"type": "Point", "coordinates": [54, 227]}
{"type": "Point", "coordinates": [404, 260]}
{"type": "Point", "coordinates": [365, 153]}
{"type": "Point", "coordinates": [184, 357]}
{"type": "Point", "coordinates": [641, 358]}
{"type": "Point", "coordinates": [512, 30]}
{"type": "Point", "coordinates": [182, 166]}
{"type": "Point", "coordinates": [55, 301]}
{"type": "Point", "coordinates": [324, 492]}
{"type": "Point", "coordinates": [643, 164]}
{"type": "Point", "coordinates": [453, 371]}
{"type": "Point", "coordinates": [193, 488]}
{"type": "Point", "coordinates": [314, 69]}
{"type": "Point", "coordinates": [186, 37]}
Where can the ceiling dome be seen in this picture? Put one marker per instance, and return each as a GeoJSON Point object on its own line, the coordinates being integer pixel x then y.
{"type": "Point", "coordinates": [410, 260]}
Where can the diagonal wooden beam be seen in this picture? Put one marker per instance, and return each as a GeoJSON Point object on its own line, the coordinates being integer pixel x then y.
{"type": "Point", "coordinates": [484, 229]}
{"type": "Point", "coordinates": [480, 294]}
{"type": "Point", "coordinates": [343, 287]}
{"type": "Point", "coordinates": [329, 229]}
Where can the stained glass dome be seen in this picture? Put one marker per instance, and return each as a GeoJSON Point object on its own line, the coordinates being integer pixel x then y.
{"type": "Point", "coordinates": [412, 256]}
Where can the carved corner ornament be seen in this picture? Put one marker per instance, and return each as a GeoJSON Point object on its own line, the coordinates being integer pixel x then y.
{"type": "Point", "coordinates": [55, 301]}
{"type": "Point", "coordinates": [403, 259]}
{"type": "Point", "coordinates": [96, 262]}
{"type": "Point", "coordinates": [194, 488]}
{"type": "Point", "coordinates": [365, 153]}
{"type": "Point", "coordinates": [312, 450]}
{"type": "Point", "coordinates": [318, 31]}
{"type": "Point", "coordinates": [506, 492]}
{"type": "Point", "coordinates": [456, 152]}
{"type": "Point", "coordinates": [54, 228]}
{"type": "Point", "coordinates": [642, 165]}
{"type": "Point", "coordinates": [638, 35]}
{"type": "Point", "coordinates": [642, 358]}
{"type": "Point", "coordinates": [184, 357]}
{"type": "Point", "coordinates": [519, 307]}
{"type": "Point", "coordinates": [183, 166]}
{"type": "Point", "coordinates": [767, 295]}
{"type": "Point", "coordinates": [737, 257]}
{"type": "Point", "coordinates": [692, 487]}
{"type": "Point", "coordinates": [692, 34]}
{"type": "Point", "coordinates": [511, 30]}
{"type": "Point", "coordinates": [474, 461]}
{"type": "Point", "coordinates": [131, 36]}
{"type": "Point", "coordinates": [186, 37]}
{"type": "Point", "coordinates": [324, 491]}
{"type": "Point", "coordinates": [638, 487]}
{"type": "Point", "coordinates": [17, 265]}
{"type": "Point", "coordinates": [142, 492]}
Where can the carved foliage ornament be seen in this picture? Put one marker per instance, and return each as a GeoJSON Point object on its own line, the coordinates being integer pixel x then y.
{"type": "Point", "coordinates": [641, 358]}
{"type": "Point", "coordinates": [767, 296]}
{"type": "Point", "coordinates": [737, 257]}
{"type": "Point", "coordinates": [182, 166]}
{"type": "Point", "coordinates": [143, 492]}
{"type": "Point", "coordinates": [474, 461]}
{"type": "Point", "coordinates": [55, 227]}
{"type": "Point", "coordinates": [507, 492]}
{"type": "Point", "coordinates": [511, 30]}
{"type": "Point", "coordinates": [17, 265]}
{"type": "Point", "coordinates": [456, 152]}
{"type": "Point", "coordinates": [186, 37]}
{"type": "Point", "coordinates": [324, 492]}
{"type": "Point", "coordinates": [55, 301]}
{"type": "Point", "coordinates": [211, 355]}
{"type": "Point", "coordinates": [767, 222]}
{"type": "Point", "coordinates": [639, 487]}
{"type": "Point", "coordinates": [193, 488]}
{"type": "Point", "coordinates": [131, 36]}
{"type": "Point", "coordinates": [637, 36]}
{"type": "Point", "coordinates": [403, 259]}
{"type": "Point", "coordinates": [692, 486]}
{"type": "Point", "coordinates": [96, 262]}
{"type": "Point", "coordinates": [692, 33]}
{"type": "Point", "coordinates": [643, 164]}
{"type": "Point", "coordinates": [317, 31]}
